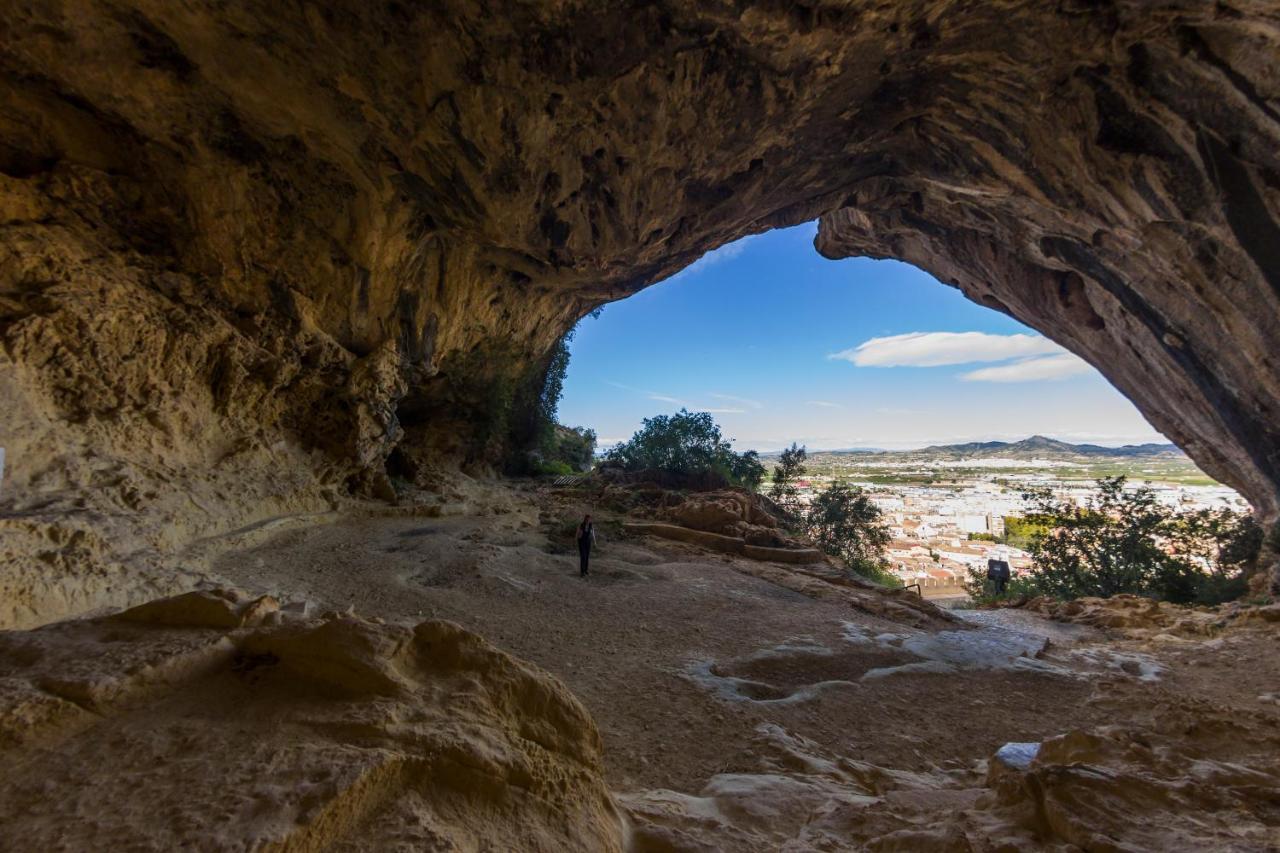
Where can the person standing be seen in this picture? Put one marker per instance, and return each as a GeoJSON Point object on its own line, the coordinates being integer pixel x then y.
{"type": "Point", "coordinates": [998, 572]}
{"type": "Point", "coordinates": [586, 538]}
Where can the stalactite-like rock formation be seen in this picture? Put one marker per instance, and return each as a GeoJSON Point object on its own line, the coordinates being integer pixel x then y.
{"type": "Point", "coordinates": [248, 251]}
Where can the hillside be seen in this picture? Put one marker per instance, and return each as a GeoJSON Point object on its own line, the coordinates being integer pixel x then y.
{"type": "Point", "coordinates": [1042, 446]}
{"type": "Point", "coordinates": [1037, 446]}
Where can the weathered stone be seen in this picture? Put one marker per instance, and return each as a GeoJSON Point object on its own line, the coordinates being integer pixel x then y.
{"type": "Point", "coordinates": [726, 544]}
{"type": "Point", "coordinates": [247, 250]}
{"type": "Point", "coordinates": [333, 734]}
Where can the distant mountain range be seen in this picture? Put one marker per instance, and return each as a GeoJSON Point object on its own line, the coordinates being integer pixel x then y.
{"type": "Point", "coordinates": [1037, 446]}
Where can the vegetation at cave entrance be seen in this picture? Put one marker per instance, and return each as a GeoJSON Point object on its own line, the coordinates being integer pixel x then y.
{"type": "Point", "coordinates": [844, 522]}
{"type": "Point", "coordinates": [542, 445]}
{"type": "Point", "coordinates": [689, 445]}
{"type": "Point", "coordinates": [790, 467]}
{"type": "Point", "coordinates": [1125, 541]}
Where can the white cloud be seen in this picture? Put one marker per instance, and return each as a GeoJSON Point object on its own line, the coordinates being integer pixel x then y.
{"type": "Point", "coordinates": [934, 349]}
{"type": "Point", "coordinates": [1049, 368]}
{"type": "Point", "coordinates": [685, 404]}
{"type": "Point", "coordinates": [727, 252]}
{"type": "Point", "coordinates": [729, 398]}
{"type": "Point", "coordinates": [825, 404]}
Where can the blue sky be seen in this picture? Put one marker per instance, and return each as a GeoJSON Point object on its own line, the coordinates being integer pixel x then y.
{"type": "Point", "coordinates": [783, 345]}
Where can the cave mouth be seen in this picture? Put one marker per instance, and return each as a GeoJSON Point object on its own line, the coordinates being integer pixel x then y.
{"type": "Point", "coordinates": [248, 257]}
{"type": "Point", "coordinates": [780, 344]}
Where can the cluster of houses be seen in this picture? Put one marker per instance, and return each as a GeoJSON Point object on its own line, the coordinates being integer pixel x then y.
{"type": "Point", "coordinates": [939, 533]}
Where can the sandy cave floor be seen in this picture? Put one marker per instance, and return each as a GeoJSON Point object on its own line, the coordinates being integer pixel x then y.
{"type": "Point", "coordinates": [680, 655]}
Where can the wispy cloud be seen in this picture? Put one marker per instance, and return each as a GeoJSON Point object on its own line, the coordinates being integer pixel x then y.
{"type": "Point", "coordinates": [825, 404]}
{"type": "Point", "coordinates": [652, 395]}
{"type": "Point", "coordinates": [751, 404]}
{"type": "Point", "coordinates": [934, 349]}
{"type": "Point", "coordinates": [685, 404]}
{"type": "Point", "coordinates": [1049, 368]}
{"type": "Point", "coordinates": [727, 252]}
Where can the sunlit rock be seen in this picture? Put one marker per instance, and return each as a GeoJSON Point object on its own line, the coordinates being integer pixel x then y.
{"type": "Point", "coordinates": [248, 253]}
{"type": "Point", "coordinates": [331, 733]}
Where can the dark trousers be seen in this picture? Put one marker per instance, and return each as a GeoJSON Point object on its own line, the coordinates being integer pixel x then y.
{"type": "Point", "coordinates": [584, 553]}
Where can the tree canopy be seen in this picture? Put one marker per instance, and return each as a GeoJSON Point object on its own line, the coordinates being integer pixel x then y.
{"type": "Point", "coordinates": [790, 466]}
{"type": "Point", "coordinates": [1125, 541]}
{"type": "Point", "coordinates": [687, 443]}
{"type": "Point", "coordinates": [844, 522]}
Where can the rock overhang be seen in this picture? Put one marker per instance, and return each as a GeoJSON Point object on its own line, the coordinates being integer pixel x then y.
{"type": "Point", "coordinates": [348, 228]}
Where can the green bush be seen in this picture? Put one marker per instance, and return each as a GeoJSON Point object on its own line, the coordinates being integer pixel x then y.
{"type": "Point", "coordinates": [531, 407]}
{"type": "Point", "coordinates": [575, 446]}
{"type": "Point", "coordinates": [558, 468]}
{"type": "Point", "coordinates": [843, 522]}
{"type": "Point", "coordinates": [1125, 541]}
{"type": "Point", "coordinates": [790, 467]}
{"type": "Point", "coordinates": [689, 444]}
{"type": "Point", "coordinates": [983, 591]}
{"type": "Point", "coordinates": [876, 571]}
{"type": "Point", "coordinates": [1019, 531]}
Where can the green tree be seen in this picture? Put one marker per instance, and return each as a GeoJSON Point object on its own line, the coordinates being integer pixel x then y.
{"type": "Point", "coordinates": [844, 522]}
{"type": "Point", "coordinates": [747, 470]}
{"type": "Point", "coordinates": [1124, 541]}
{"type": "Point", "coordinates": [1108, 546]}
{"type": "Point", "coordinates": [575, 447]}
{"type": "Point", "coordinates": [1224, 545]}
{"type": "Point", "coordinates": [538, 443]}
{"type": "Point", "coordinates": [790, 467]}
{"type": "Point", "coordinates": [688, 443]}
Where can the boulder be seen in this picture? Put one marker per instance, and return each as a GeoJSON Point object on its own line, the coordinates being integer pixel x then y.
{"type": "Point", "coordinates": [306, 734]}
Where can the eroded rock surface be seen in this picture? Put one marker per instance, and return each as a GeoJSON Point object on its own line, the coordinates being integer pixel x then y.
{"type": "Point", "coordinates": [159, 730]}
{"type": "Point", "coordinates": [1106, 789]}
{"type": "Point", "coordinates": [219, 719]}
{"type": "Point", "coordinates": [250, 256]}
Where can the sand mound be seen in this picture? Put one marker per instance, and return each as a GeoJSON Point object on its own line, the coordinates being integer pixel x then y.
{"type": "Point", "coordinates": [212, 721]}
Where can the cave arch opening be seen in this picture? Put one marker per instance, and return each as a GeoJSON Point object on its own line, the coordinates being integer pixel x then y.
{"type": "Point", "coordinates": [781, 344]}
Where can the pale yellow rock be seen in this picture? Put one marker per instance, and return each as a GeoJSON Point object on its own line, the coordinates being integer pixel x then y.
{"type": "Point", "coordinates": [336, 733]}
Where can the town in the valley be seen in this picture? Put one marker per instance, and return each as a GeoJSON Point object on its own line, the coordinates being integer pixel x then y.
{"type": "Point", "coordinates": [950, 512]}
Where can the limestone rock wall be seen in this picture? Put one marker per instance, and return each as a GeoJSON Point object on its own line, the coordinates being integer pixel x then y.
{"type": "Point", "coordinates": [247, 250]}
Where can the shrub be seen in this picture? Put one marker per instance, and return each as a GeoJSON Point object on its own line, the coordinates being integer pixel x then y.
{"type": "Point", "coordinates": [790, 466]}
{"type": "Point", "coordinates": [575, 447]}
{"type": "Point", "coordinates": [844, 522]}
{"type": "Point", "coordinates": [688, 444]}
{"type": "Point", "coordinates": [538, 443]}
{"type": "Point", "coordinates": [983, 591]}
{"type": "Point", "coordinates": [558, 468]}
{"type": "Point", "coordinates": [1125, 541]}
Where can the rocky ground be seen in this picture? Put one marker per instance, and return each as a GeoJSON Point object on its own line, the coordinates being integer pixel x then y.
{"type": "Point", "coordinates": [685, 658]}
{"type": "Point", "coordinates": [740, 705]}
